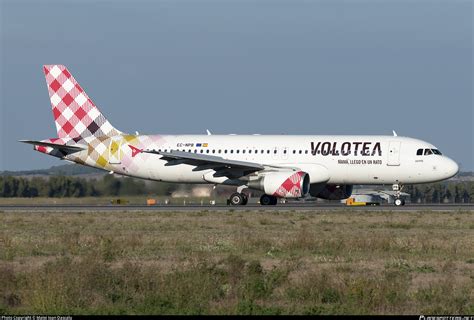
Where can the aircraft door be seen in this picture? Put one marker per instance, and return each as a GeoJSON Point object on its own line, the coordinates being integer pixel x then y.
{"type": "Point", "coordinates": [115, 154]}
{"type": "Point", "coordinates": [393, 156]}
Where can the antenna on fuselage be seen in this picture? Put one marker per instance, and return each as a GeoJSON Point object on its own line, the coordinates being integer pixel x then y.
{"type": "Point", "coordinates": [394, 133]}
{"type": "Point", "coordinates": [208, 132]}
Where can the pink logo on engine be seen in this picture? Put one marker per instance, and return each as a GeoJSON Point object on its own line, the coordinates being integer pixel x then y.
{"type": "Point", "coordinates": [291, 186]}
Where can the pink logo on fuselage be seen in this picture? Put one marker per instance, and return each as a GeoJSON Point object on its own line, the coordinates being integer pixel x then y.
{"type": "Point", "coordinates": [135, 150]}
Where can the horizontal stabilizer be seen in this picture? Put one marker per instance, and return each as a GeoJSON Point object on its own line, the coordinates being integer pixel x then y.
{"type": "Point", "coordinates": [60, 147]}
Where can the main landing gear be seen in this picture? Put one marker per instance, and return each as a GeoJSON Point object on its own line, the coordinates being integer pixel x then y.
{"type": "Point", "coordinates": [266, 200]}
{"type": "Point", "coordinates": [241, 199]}
{"type": "Point", "coordinates": [238, 199]}
{"type": "Point", "coordinates": [398, 191]}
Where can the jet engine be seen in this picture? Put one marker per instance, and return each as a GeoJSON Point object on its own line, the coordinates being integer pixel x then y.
{"type": "Point", "coordinates": [289, 184]}
{"type": "Point", "coordinates": [332, 192]}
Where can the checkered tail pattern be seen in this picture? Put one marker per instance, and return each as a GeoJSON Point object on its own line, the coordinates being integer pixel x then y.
{"type": "Point", "coordinates": [75, 114]}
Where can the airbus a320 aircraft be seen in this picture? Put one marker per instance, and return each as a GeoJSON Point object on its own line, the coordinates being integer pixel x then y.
{"type": "Point", "coordinates": [281, 166]}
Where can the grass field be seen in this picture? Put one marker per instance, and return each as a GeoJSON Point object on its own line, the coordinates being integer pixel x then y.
{"type": "Point", "coordinates": [246, 262]}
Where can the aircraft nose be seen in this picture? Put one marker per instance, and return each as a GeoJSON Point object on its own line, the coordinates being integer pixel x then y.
{"type": "Point", "coordinates": [451, 168]}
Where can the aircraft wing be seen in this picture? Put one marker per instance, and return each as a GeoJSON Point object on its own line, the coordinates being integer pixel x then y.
{"type": "Point", "coordinates": [204, 161]}
{"type": "Point", "coordinates": [234, 168]}
{"type": "Point", "coordinates": [60, 147]}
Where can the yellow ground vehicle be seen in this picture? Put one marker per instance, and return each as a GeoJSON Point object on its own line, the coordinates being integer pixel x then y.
{"type": "Point", "coordinates": [352, 202]}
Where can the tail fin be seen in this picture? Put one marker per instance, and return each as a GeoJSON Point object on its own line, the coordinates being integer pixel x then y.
{"type": "Point", "coordinates": [75, 114]}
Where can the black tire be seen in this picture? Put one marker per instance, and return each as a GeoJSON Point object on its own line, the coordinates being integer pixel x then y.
{"type": "Point", "coordinates": [245, 199]}
{"type": "Point", "coordinates": [236, 199]}
{"type": "Point", "coordinates": [399, 202]}
{"type": "Point", "coordinates": [266, 200]}
{"type": "Point", "coordinates": [274, 201]}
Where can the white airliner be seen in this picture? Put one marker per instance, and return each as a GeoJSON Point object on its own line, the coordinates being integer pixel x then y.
{"type": "Point", "coordinates": [281, 166]}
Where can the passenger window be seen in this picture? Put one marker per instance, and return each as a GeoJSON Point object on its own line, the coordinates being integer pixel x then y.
{"type": "Point", "coordinates": [207, 151]}
{"type": "Point", "coordinates": [428, 152]}
{"type": "Point", "coordinates": [306, 152]}
{"type": "Point", "coordinates": [225, 151]}
{"type": "Point", "coordinates": [419, 152]}
{"type": "Point", "coordinates": [243, 151]}
{"type": "Point", "coordinates": [231, 151]}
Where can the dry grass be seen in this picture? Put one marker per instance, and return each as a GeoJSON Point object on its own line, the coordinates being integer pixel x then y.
{"type": "Point", "coordinates": [253, 262]}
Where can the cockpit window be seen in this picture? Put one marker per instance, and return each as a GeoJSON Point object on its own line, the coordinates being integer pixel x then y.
{"type": "Point", "coordinates": [427, 152]}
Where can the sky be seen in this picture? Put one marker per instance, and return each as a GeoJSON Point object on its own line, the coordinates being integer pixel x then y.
{"type": "Point", "coordinates": [268, 67]}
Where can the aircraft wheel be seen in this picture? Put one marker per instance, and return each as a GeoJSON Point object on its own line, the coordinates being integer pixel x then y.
{"type": "Point", "coordinates": [266, 200]}
{"type": "Point", "coordinates": [236, 199]}
{"type": "Point", "coordinates": [245, 199]}
{"type": "Point", "coordinates": [399, 202]}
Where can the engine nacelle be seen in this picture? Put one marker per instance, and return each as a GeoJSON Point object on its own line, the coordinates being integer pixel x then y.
{"type": "Point", "coordinates": [287, 184]}
{"type": "Point", "coordinates": [332, 192]}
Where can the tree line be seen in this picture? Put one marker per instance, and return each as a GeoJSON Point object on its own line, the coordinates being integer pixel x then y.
{"type": "Point", "coordinates": [109, 185]}
{"type": "Point", "coordinates": [66, 186]}
{"type": "Point", "coordinates": [442, 192]}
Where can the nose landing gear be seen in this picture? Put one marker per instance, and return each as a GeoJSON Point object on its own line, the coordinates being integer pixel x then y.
{"type": "Point", "coordinates": [397, 187]}
{"type": "Point", "coordinates": [399, 202]}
